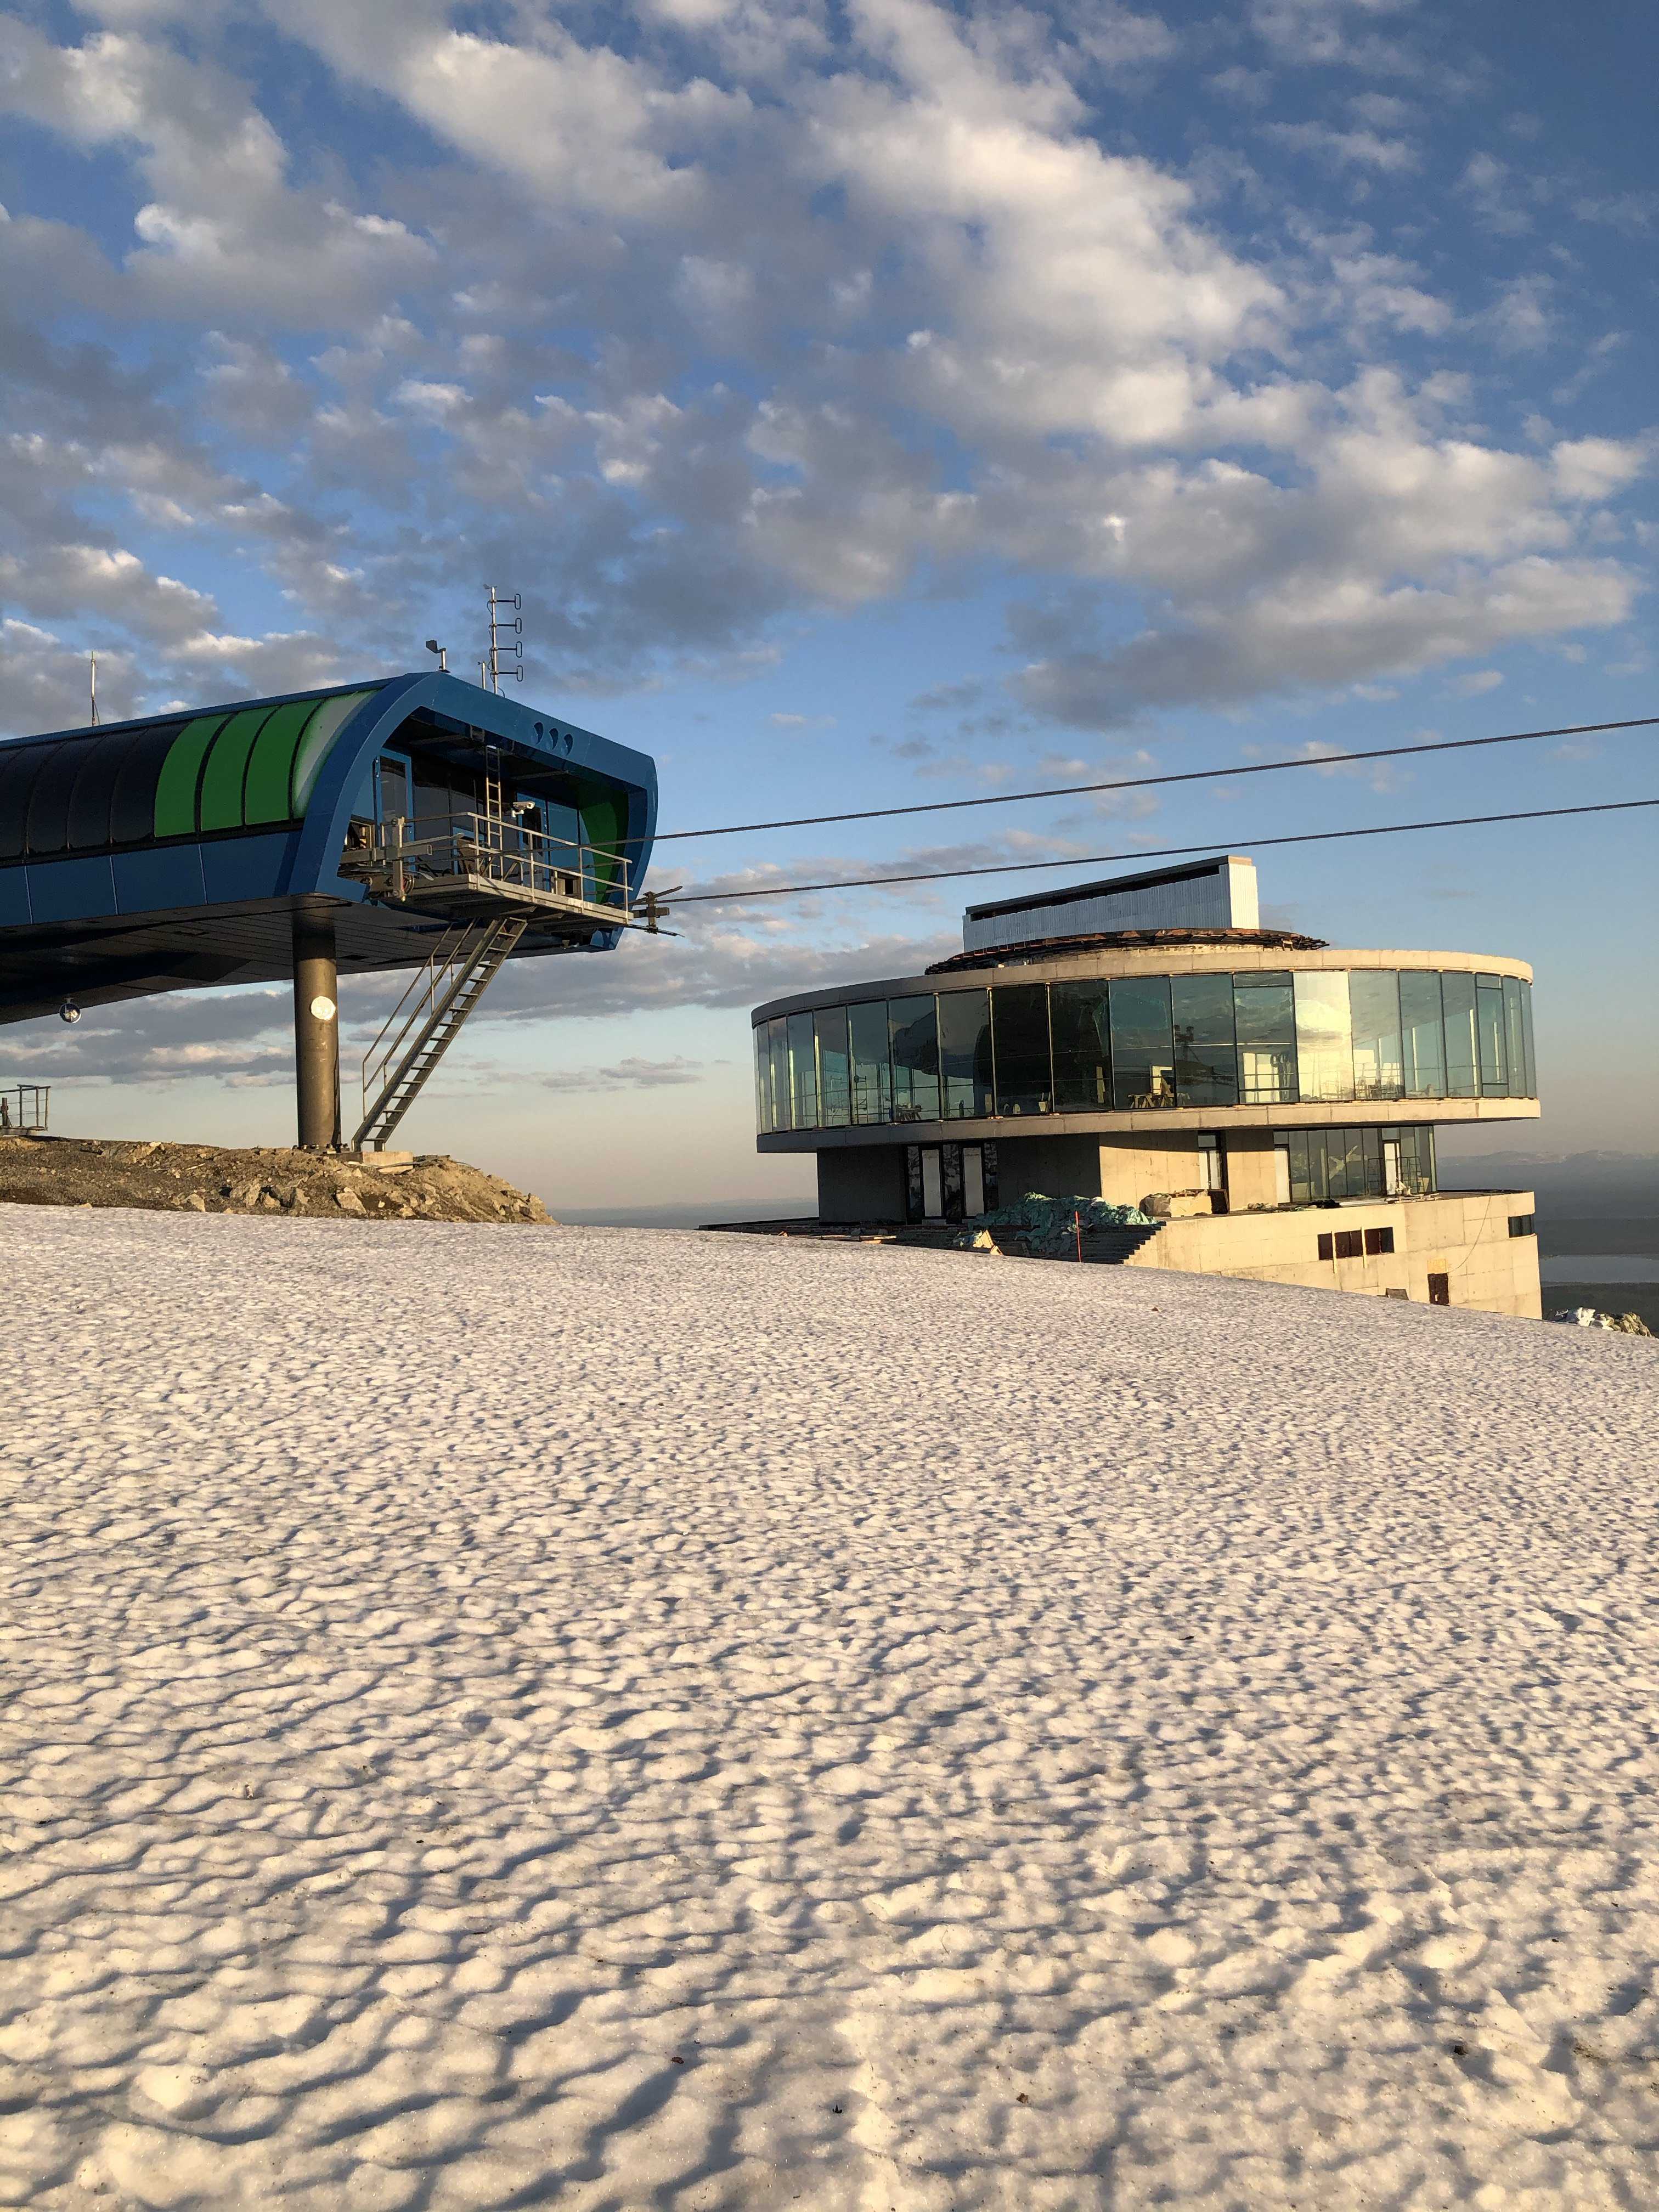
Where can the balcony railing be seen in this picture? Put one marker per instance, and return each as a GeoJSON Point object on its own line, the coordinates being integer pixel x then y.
{"type": "Point", "coordinates": [435, 859]}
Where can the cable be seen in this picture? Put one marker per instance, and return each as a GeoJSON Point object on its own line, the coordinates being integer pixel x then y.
{"type": "Point", "coordinates": [1156, 852]}
{"type": "Point", "coordinates": [1141, 782]}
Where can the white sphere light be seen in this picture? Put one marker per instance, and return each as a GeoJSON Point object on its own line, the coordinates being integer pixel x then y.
{"type": "Point", "coordinates": [322, 1009]}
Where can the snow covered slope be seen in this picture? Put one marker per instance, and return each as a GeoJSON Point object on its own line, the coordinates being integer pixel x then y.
{"type": "Point", "coordinates": [618, 1720]}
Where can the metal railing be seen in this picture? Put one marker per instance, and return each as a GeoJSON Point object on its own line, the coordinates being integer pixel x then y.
{"type": "Point", "coordinates": [407, 852]}
{"type": "Point", "coordinates": [32, 1111]}
{"type": "Point", "coordinates": [436, 1004]}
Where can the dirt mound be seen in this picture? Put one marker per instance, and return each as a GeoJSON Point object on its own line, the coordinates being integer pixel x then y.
{"type": "Point", "coordinates": [220, 1179]}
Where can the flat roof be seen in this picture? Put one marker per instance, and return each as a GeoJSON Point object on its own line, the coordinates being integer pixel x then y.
{"type": "Point", "coordinates": [1070, 892]}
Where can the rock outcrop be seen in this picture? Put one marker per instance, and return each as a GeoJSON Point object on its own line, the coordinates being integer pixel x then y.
{"type": "Point", "coordinates": [220, 1179]}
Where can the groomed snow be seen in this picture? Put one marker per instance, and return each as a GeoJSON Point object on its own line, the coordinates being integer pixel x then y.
{"type": "Point", "coordinates": [604, 1719]}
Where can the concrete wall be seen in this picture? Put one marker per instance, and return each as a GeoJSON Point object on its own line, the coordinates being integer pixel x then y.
{"type": "Point", "coordinates": [862, 1186]}
{"type": "Point", "coordinates": [1132, 1168]}
{"type": "Point", "coordinates": [1464, 1236]}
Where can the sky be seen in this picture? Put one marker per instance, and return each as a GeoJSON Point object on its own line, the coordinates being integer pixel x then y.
{"type": "Point", "coordinates": [872, 404]}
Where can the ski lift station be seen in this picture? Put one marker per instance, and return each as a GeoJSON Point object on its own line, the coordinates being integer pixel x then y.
{"type": "Point", "coordinates": [416, 821]}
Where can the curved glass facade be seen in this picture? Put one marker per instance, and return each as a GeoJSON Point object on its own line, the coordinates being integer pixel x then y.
{"type": "Point", "coordinates": [1137, 1043]}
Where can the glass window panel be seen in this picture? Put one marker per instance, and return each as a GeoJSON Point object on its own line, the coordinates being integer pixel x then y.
{"type": "Point", "coordinates": [1143, 1043]}
{"type": "Point", "coordinates": [779, 1051]}
{"type": "Point", "coordinates": [1489, 1035]}
{"type": "Point", "coordinates": [835, 1074]}
{"type": "Point", "coordinates": [1296, 1147]}
{"type": "Point", "coordinates": [950, 1172]}
{"type": "Point", "coordinates": [965, 1054]}
{"type": "Point", "coordinates": [803, 1073]}
{"type": "Point", "coordinates": [1526, 1045]}
{"type": "Point", "coordinates": [1374, 1004]}
{"type": "Point", "coordinates": [1422, 1038]}
{"type": "Point", "coordinates": [872, 1075]}
{"type": "Point", "coordinates": [1324, 1035]}
{"type": "Point", "coordinates": [1457, 993]}
{"type": "Point", "coordinates": [1264, 1013]}
{"type": "Point", "coordinates": [1205, 1056]}
{"type": "Point", "coordinates": [1417, 1161]}
{"type": "Point", "coordinates": [1515, 1045]}
{"type": "Point", "coordinates": [1319, 1166]}
{"type": "Point", "coordinates": [1019, 1028]}
{"type": "Point", "coordinates": [1372, 1144]}
{"type": "Point", "coordinates": [912, 1181]}
{"type": "Point", "coordinates": [763, 1080]}
{"type": "Point", "coordinates": [1081, 1032]}
{"type": "Point", "coordinates": [914, 1031]}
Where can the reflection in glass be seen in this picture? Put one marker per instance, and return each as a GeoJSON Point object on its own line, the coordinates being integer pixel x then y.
{"type": "Point", "coordinates": [1527, 1044]}
{"type": "Point", "coordinates": [1206, 1058]}
{"type": "Point", "coordinates": [762, 1079]}
{"type": "Point", "coordinates": [1019, 1019]}
{"type": "Point", "coordinates": [1324, 1035]}
{"type": "Point", "coordinates": [1416, 1160]}
{"type": "Point", "coordinates": [873, 1078]}
{"type": "Point", "coordinates": [1265, 1013]}
{"type": "Point", "coordinates": [1374, 1004]}
{"type": "Point", "coordinates": [964, 1054]}
{"type": "Point", "coordinates": [1079, 1024]}
{"type": "Point", "coordinates": [1143, 1047]}
{"type": "Point", "coordinates": [1489, 1035]}
{"type": "Point", "coordinates": [834, 1075]}
{"type": "Point", "coordinates": [803, 1072]}
{"type": "Point", "coordinates": [778, 1052]}
{"type": "Point", "coordinates": [914, 1036]}
{"type": "Point", "coordinates": [1457, 992]}
{"type": "Point", "coordinates": [1513, 1044]}
{"type": "Point", "coordinates": [1424, 1044]}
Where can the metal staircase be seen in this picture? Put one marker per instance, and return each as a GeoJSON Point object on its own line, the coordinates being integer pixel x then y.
{"type": "Point", "coordinates": [427, 1020]}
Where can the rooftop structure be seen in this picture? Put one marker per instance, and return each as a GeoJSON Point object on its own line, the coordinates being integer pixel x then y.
{"type": "Point", "coordinates": [1221, 1078]}
{"type": "Point", "coordinates": [414, 822]}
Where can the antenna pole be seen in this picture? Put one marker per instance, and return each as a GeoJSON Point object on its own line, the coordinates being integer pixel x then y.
{"type": "Point", "coordinates": [506, 637]}
{"type": "Point", "coordinates": [93, 660]}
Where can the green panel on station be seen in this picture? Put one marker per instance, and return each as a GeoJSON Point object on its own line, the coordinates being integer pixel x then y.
{"type": "Point", "coordinates": [226, 765]}
{"type": "Point", "coordinates": [175, 787]}
{"type": "Point", "coordinates": [271, 764]}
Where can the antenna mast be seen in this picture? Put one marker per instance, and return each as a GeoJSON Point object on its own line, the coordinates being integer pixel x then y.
{"type": "Point", "coordinates": [505, 638]}
{"type": "Point", "coordinates": [92, 659]}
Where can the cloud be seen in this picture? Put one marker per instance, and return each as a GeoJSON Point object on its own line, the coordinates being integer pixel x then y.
{"type": "Point", "coordinates": [730, 319]}
{"type": "Point", "coordinates": [628, 1074]}
{"type": "Point", "coordinates": [1347, 149]}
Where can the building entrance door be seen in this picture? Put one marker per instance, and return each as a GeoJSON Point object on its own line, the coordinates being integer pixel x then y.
{"type": "Point", "coordinates": [932, 1184]}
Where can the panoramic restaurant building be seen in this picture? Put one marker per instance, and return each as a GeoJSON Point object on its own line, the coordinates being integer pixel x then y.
{"type": "Point", "coordinates": [1269, 1100]}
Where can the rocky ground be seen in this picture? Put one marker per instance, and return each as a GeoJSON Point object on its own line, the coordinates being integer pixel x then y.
{"type": "Point", "coordinates": [218, 1179]}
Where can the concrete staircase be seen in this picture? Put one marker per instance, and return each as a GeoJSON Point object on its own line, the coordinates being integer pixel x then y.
{"type": "Point", "coordinates": [1110, 1248]}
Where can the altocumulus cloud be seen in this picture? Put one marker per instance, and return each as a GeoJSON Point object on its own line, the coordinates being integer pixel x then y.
{"type": "Point", "coordinates": [707, 316]}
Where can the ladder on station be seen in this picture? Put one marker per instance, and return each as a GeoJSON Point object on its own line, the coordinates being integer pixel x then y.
{"type": "Point", "coordinates": [427, 1018]}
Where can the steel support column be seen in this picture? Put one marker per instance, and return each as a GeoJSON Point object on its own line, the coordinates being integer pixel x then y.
{"type": "Point", "coordinates": [316, 1031]}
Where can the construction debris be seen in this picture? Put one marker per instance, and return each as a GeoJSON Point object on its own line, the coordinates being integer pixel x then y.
{"type": "Point", "coordinates": [1626, 1324]}
{"type": "Point", "coordinates": [220, 1179]}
